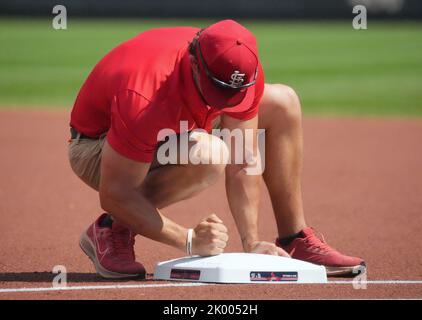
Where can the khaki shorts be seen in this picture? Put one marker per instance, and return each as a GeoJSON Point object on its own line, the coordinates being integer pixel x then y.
{"type": "Point", "coordinates": [85, 159]}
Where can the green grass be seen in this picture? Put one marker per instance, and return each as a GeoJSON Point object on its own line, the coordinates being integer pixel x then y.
{"type": "Point", "coordinates": [335, 69]}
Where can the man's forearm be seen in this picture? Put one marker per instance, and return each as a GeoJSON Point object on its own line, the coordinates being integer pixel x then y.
{"type": "Point", "coordinates": [243, 193]}
{"type": "Point", "coordinates": [134, 210]}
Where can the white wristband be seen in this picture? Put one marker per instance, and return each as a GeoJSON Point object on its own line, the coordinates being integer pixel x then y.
{"type": "Point", "coordinates": [189, 242]}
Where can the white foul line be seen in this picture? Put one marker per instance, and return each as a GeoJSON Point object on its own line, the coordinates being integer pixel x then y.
{"type": "Point", "coordinates": [190, 284]}
{"type": "Point", "coordinates": [377, 282]}
{"type": "Point", "coordinates": [104, 287]}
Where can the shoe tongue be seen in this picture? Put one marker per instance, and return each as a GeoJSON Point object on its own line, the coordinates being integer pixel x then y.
{"type": "Point", "coordinates": [118, 227]}
{"type": "Point", "coordinates": [124, 238]}
{"type": "Point", "coordinates": [308, 231]}
{"type": "Point", "coordinates": [105, 221]}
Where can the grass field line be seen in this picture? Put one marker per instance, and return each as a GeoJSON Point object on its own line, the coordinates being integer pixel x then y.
{"type": "Point", "coordinates": [190, 284]}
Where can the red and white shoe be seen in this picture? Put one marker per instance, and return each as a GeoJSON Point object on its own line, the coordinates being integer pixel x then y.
{"type": "Point", "coordinates": [111, 250]}
{"type": "Point", "coordinates": [314, 250]}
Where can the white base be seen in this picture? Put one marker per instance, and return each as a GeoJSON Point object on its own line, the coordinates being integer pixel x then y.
{"type": "Point", "coordinates": [240, 268]}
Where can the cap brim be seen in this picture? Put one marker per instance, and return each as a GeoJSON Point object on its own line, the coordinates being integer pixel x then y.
{"type": "Point", "coordinates": [222, 97]}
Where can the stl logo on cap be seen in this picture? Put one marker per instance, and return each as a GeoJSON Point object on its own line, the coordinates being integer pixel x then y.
{"type": "Point", "coordinates": [228, 62]}
{"type": "Point", "coordinates": [236, 79]}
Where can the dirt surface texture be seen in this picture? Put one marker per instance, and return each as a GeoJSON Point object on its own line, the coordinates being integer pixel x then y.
{"type": "Point", "coordinates": [362, 189]}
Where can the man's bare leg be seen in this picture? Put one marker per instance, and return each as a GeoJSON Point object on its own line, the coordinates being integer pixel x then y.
{"type": "Point", "coordinates": [167, 184]}
{"type": "Point", "coordinates": [171, 183]}
{"type": "Point", "coordinates": [109, 242]}
{"type": "Point", "coordinates": [280, 116]}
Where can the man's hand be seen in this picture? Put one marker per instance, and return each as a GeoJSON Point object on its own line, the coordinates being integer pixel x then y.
{"type": "Point", "coordinates": [209, 237]}
{"type": "Point", "coordinates": [267, 248]}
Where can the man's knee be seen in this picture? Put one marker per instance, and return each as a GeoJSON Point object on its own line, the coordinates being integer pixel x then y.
{"type": "Point", "coordinates": [208, 154]}
{"type": "Point", "coordinates": [285, 102]}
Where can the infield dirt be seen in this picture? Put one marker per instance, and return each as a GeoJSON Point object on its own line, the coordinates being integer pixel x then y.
{"type": "Point", "coordinates": [362, 189]}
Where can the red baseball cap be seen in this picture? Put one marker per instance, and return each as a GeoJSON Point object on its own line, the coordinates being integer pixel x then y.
{"type": "Point", "coordinates": [227, 56]}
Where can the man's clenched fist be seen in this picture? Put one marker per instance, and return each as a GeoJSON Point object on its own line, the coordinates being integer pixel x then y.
{"type": "Point", "coordinates": [209, 237]}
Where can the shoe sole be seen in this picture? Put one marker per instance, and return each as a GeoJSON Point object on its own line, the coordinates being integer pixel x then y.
{"type": "Point", "coordinates": [89, 249]}
{"type": "Point", "coordinates": [343, 271]}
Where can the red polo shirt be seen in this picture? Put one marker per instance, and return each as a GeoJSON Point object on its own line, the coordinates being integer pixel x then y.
{"type": "Point", "coordinates": [145, 85]}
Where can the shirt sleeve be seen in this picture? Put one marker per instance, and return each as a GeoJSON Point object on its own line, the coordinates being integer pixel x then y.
{"type": "Point", "coordinates": [252, 111]}
{"type": "Point", "coordinates": [128, 134]}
